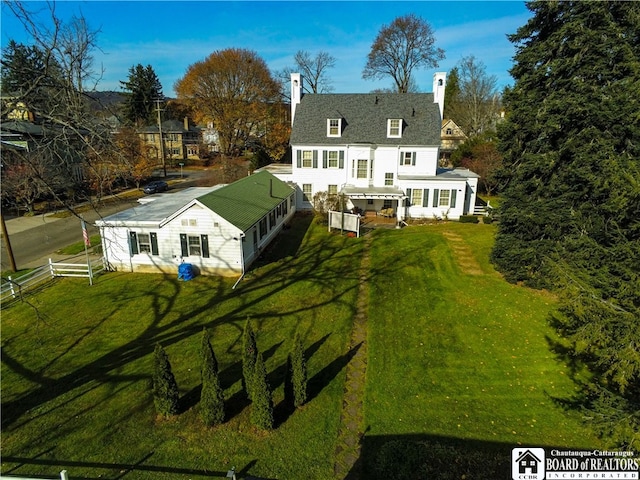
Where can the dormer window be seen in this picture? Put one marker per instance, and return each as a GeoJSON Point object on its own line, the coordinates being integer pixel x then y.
{"type": "Point", "coordinates": [334, 127]}
{"type": "Point", "coordinates": [394, 128]}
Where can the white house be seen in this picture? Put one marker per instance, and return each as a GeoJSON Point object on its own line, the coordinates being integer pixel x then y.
{"type": "Point", "coordinates": [380, 150]}
{"type": "Point", "coordinates": [220, 230]}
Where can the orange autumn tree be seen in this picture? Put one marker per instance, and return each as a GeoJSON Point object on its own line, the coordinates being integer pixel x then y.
{"type": "Point", "coordinates": [234, 89]}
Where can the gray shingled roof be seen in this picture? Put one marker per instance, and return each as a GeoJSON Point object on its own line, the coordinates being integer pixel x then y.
{"type": "Point", "coordinates": [364, 118]}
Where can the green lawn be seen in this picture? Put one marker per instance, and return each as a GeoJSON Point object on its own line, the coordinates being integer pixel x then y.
{"type": "Point", "coordinates": [458, 359]}
{"type": "Point", "coordinates": [76, 364]}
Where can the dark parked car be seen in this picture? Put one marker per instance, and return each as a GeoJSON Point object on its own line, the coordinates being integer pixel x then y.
{"type": "Point", "coordinates": [155, 187]}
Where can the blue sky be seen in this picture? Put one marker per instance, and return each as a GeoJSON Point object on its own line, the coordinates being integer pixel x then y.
{"type": "Point", "coordinates": [171, 35]}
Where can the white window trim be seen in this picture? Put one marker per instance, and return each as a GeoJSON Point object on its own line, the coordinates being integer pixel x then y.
{"type": "Point", "coordinates": [442, 194]}
{"type": "Point", "coordinates": [310, 159]}
{"type": "Point", "coordinates": [329, 120]}
{"type": "Point", "coordinates": [389, 128]}
{"type": "Point", "coordinates": [337, 159]}
{"type": "Point", "coordinates": [307, 197]}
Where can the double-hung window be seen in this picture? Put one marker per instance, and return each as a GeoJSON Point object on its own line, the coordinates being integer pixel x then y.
{"type": "Point", "coordinates": [444, 198]}
{"type": "Point", "coordinates": [332, 159]}
{"type": "Point", "coordinates": [407, 158]}
{"type": "Point", "coordinates": [388, 179]}
{"type": "Point", "coordinates": [307, 192]}
{"type": "Point", "coordinates": [143, 243]}
{"type": "Point", "coordinates": [333, 127]}
{"type": "Point", "coordinates": [416, 196]}
{"type": "Point", "coordinates": [361, 170]}
{"type": "Point", "coordinates": [307, 158]}
{"type": "Point", "coordinates": [194, 245]}
{"type": "Point", "coordinates": [332, 189]}
{"type": "Point", "coordinates": [394, 128]}
{"type": "Point", "coordinates": [263, 227]}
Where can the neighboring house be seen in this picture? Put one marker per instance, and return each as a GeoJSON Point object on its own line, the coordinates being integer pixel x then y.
{"type": "Point", "coordinates": [46, 147]}
{"type": "Point", "coordinates": [181, 141]}
{"type": "Point", "coordinates": [379, 150]}
{"type": "Point", "coordinates": [220, 230]}
{"type": "Point", "coordinates": [451, 137]}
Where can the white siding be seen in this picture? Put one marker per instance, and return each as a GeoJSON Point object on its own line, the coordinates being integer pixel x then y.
{"type": "Point", "coordinates": [228, 246]}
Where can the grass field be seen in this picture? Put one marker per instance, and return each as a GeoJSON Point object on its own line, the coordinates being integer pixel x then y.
{"type": "Point", "coordinates": [458, 360]}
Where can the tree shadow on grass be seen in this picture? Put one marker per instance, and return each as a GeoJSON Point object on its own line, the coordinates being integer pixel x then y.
{"type": "Point", "coordinates": [121, 470]}
{"type": "Point", "coordinates": [324, 377]}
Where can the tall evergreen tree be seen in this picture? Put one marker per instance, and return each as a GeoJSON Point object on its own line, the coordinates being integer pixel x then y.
{"type": "Point", "coordinates": [262, 402]}
{"type": "Point", "coordinates": [142, 89]}
{"type": "Point", "coordinates": [570, 216]}
{"type": "Point", "coordinates": [212, 396]}
{"type": "Point", "coordinates": [249, 353]}
{"type": "Point", "coordinates": [165, 389]}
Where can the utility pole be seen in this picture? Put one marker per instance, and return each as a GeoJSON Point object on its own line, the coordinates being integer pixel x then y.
{"type": "Point", "coordinates": [164, 165]}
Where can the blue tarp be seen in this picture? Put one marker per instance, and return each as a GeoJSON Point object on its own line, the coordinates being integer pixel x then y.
{"type": "Point", "coordinates": [185, 272]}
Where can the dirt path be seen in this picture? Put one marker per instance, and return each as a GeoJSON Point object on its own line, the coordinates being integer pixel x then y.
{"type": "Point", "coordinates": [463, 255]}
{"type": "Point", "coordinates": [347, 454]}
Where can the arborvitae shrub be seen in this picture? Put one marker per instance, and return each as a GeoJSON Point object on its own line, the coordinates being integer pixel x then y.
{"type": "Point", "coordinates": [262, 407]}
{"type": "Point", "coordinates": [212, 396]}
{"type": "Point", "coordinates": [298, 373]}
{"type": "Point", "coordinates": [165, 389]}
{"type": "Point", "coordinates": [249, 353]}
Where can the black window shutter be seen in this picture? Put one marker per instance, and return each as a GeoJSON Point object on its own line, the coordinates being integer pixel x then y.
{"type": "Point", "coordinates": [133, 243]}
{"type": "Point", "coordinates": [324, 159]}
{"type": "Point", "coordinates": [341, 158]}
{"type": "Point", "coordinates": [184, 245]}
{"type": "Point", "coordinates": [154, 243]}
{"type": "Point", "coordinates": [299, 158]}
{"type": "Point", "coordinates": [436, 197]}
{"type": "Point", "coordinates": [409, 192]}
{"type": "Point", "coordinates": [425, 197]}
{"type": "Point", "coordinates": [453, 198]}
{"type": "Point", "coordinates": [205, 245]}
{"type": "Point", "coordinates": [413, 159]}
{"type": "Point", "coordinates": [315, 159]}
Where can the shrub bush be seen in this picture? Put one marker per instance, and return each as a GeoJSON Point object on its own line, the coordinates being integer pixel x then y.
{"type": "Point", "coordinates": [262, 407]}
{"type": "Point", "coordinates": [212, 396]}
{"type": "Point", "coordinates": [249, 352]}
{"type": "Point", "coordinates": [468, 219]}
{"type": "Point", "coordinates": [165, 389]}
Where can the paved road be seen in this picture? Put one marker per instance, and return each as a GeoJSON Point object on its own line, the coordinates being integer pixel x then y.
{"type": "Point", "coordinates": [36, 239]}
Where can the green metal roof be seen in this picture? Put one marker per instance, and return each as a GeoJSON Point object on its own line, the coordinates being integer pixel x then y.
{"type": "Point", "coordinates": [245, 202]}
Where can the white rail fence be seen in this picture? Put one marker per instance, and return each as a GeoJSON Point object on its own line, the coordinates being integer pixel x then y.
{"type": "Point", "coordinates": [63, 476]}
{"type": "Point", "coordinates": [14, 287]}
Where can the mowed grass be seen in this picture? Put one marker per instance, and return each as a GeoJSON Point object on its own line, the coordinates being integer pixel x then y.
{"type": "Point", "coordinates": [457, 357]}
{"type": "Point", "coordinates": [77, 363]}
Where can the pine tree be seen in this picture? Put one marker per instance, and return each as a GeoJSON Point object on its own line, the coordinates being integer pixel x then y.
{"type": "Point", "coordinates": [249, 353]}
{"type": "Point", "coordinates": [571, 195]}
{"type": "Point", "coordinates": [165, 389]}
{"type": "Point", "coordinates": [142, 89]}
{"type": "Point", "coordinates": [212, 396]}
{"type": "Point", "coordinates": [298, 373]}
{"type": "Point", "coordinates": [262, 403]}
